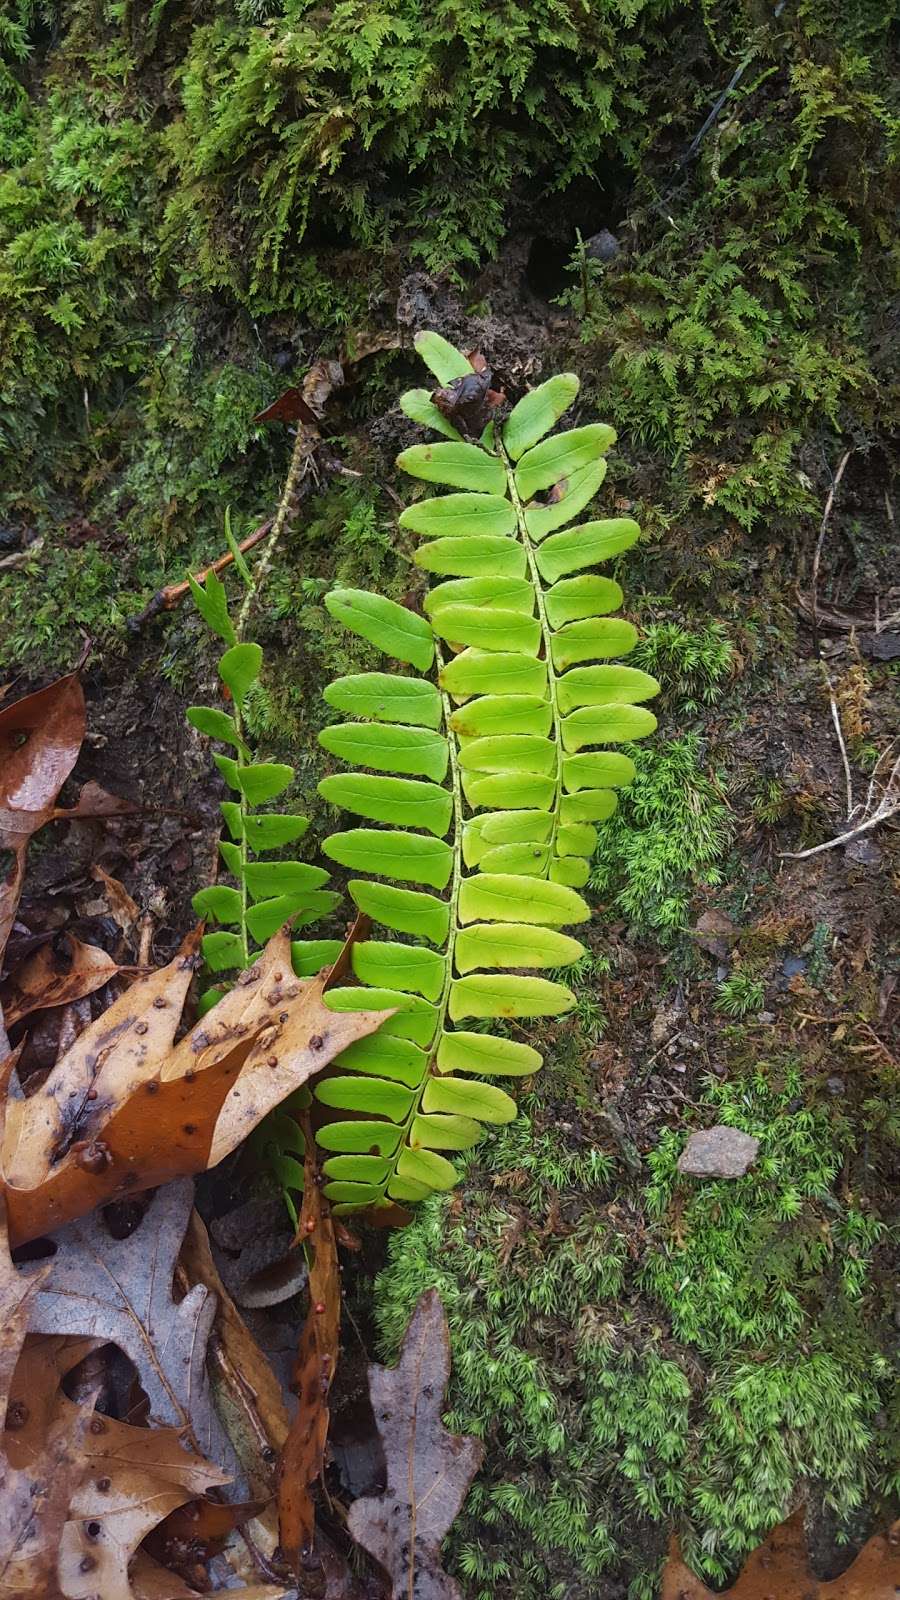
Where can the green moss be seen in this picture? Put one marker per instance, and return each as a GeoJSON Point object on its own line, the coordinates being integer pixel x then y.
{"type": "Point", "coordinates": [701, 1378]}
{"type": "Point", "coordinates": [692, 665]}
{"type": "Point", "coordinates": [666, 838]}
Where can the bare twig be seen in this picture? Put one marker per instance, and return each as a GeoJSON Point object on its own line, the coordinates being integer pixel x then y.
{"type": "Point", "coordinates": [888, 806]}
{"type": "Point", "coordinates": [836, 719]}
{"type": "Point", "coordinates": [826, 517]}
{"type": "Point", "coordinates": [301, 463]}
{"type": "Point", "coordinates": [845, 621]}
{"type": "Point", "coordinates": [165, 599]}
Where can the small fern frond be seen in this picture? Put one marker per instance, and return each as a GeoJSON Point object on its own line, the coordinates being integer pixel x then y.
{"type": "Point", "coordinates": [485, 785]}
{"type": "Point", "coordinates": [265, 894]}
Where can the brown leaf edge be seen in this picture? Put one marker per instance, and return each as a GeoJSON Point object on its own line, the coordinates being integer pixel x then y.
{"type": "Point", "coordinates": [779, 1570]}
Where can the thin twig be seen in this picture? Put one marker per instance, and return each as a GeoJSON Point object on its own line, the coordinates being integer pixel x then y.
{"type": "Point", "coordinates": [826, 517]}
{"type": "Point", "coordinates": [870, 792]}
{"type": "Point", "coordinates": [836, 719]}
{"type": "Point", "coordinates": [843, 838]}
{"type": "Point", "coordinates": [165, 599]}
{"type": "Point", "coordinates": [301, 461]}
{"type": "Point", "coordinates": [888, 806]}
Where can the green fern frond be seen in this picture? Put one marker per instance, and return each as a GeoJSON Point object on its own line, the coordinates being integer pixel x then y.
{"type": "Point", "coordinates": [485, 778]}
{"type": "Point", "coordinates": [265, 894]}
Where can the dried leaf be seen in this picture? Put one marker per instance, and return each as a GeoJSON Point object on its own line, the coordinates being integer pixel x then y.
{"type": "Point", "coordinates": [60, 971]}
{"type": "Point", "coordinates": [289, 407]}
{"type": "Point", "coordinates": [40, 737]}
{"type": "Point", "coordinates": [428, 1469]}
{"type": "Point", "coordinates": [780, 1568]}
{"type": "Point", "coordinates": [303, 1456]}
{"type": "Point", "coordinates": [150, 1581]}
{"type": "Point", "coordinates": [124, 1110]}
{"type": "Point", "coordinates": [306, 404]}
{"type": "Point", "coordinates": [121, 1290]}
{"type": "Point", "coordinates": [16, 1293]}
{"type": "Point", "coordinates": [33, 1510]}
{"type": "Point", "coordinates": [125, 911]}
{"type": "Point", "coordinates": [255, 1393]}
{"type": "Point", "coordinates": [130, 1479]}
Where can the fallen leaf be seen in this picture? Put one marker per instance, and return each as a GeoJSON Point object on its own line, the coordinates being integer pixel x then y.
{"type": "Point", "coordinates": [303, 1456]}
{"type": "Point", "coordinates": [150, 1581]}
{"type": "Point", "coordinates": [130, 1479]}
{"type": "Point", "coordinates": [289, 407]}
{"type": "Point", "coordinates": [428, 1469]}
{"type": "Point", "coordinates": [125, 1109]}
{"type": "Point", "coordinates": [16, 1293]}
{"type": "Point", "coordinates": [243, 1369]}
{"type": "Point", "coordinates": [60, 971]}
{"type": "Point", "coordinates": [33, 1510]}
{"type": "Point", "coordinates": [779, 1570]}
{"type": "Point", "coordinates": [121, 1290]}
{"type": "Point", "coordinates": [125, 911]}
{"type": "Point", "coordinates": [468, 402]}
{"type": "Point", "coordinates": [307, 403]}
{"type": "Point", "coordinates": [40, 737]}
{"type": "Point", "coordinates": [715, 932]}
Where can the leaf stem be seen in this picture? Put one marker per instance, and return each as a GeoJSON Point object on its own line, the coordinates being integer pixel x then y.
{"type": "Point", "coordinates": [546, 635]}
{"type": "Point", "coordinates": [242, 843]}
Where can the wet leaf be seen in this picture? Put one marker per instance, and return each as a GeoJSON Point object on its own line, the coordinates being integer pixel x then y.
{"type": "Point", "coordinates": [125, 1109]}
{"type": "Point", "coordinates": [428, 1469]}
{"type": "Point", "coordinates": [57, 973]}
{"type": "Point", "coordinates": [127, 1480]}
{"type": "Point", "coordinates": [40, 737]}
{"type": "Point", "coordinates": [303, 1455]}
{"type": "Point", "coordinates": [122, 1290]}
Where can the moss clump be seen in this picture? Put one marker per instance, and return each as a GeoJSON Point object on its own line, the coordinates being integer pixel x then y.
{"type": "Point", "coordinates": [697, 1365]}
{"type": "Point", "coordinates": [666, 838]}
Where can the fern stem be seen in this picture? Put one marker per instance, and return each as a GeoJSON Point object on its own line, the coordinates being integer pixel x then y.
{"type": "Point", "coordinates": [546, 635]}
{"type": "Point", "coordinates": [242, 844]}
{"type": "Point", "coordinates": [456, 880]}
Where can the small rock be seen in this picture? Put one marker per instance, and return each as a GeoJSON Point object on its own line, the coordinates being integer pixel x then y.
{"type": "Point", "coordinates": [765, 1016]}
{"type": "Point", "coordinates": [664, 1023]}
{"type": "Point", "coordinates": [880, 646]}
{"type": "Point", "coordinates": [793, 966]}
{"type": "Point", "coordinates": [602, 246]}
{"type": "Point", "coordinates": [718, 1152]}
{"type": "Point", "coordinates": [835, 1086]}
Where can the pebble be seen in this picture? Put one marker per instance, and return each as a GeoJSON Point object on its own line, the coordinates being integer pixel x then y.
{"type": "Point", "coordinates": [719, 1152]}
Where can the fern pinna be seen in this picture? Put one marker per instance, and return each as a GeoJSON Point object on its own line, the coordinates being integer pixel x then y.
{"type": "Point", "coordinates": [483, 774]}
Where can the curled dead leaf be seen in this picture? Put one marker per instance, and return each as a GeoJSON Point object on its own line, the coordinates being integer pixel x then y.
{"type": "Point", "coordinates": [40, 737]}
{"type": "Point", "coordinates": [58, 972]}
{"type": "Point", "coordinates": [303, 1455]}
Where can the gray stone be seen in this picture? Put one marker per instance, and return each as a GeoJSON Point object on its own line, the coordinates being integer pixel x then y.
{"type": "Point", "coordinates": [602, 246]}
{"type": "Point", "coordinates": [718, 1153]}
